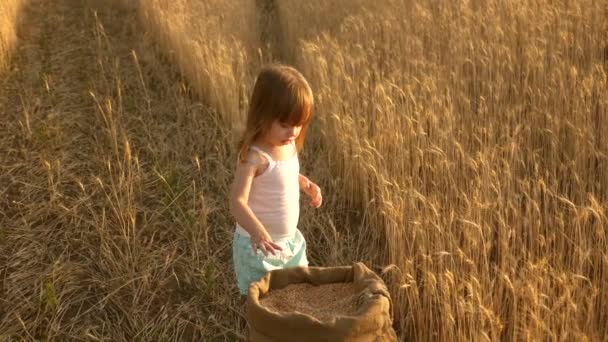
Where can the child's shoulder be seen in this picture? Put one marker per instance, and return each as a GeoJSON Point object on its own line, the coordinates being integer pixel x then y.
{"type": "Point", "coordinates": [255, 158]}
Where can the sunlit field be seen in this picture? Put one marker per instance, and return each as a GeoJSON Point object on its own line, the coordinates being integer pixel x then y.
{"type": "Point", "coordinates": [461, 148]}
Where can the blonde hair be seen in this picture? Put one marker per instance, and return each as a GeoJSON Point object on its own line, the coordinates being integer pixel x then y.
{"type": "Point", "coordinates": [280, 93]}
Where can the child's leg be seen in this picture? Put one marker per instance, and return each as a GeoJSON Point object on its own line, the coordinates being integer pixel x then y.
{"type": "Point", "coordinates": [248, 267]}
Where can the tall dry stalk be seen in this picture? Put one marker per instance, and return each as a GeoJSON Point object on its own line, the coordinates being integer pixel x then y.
{"type": "Point", "coordinates": [10, 13]}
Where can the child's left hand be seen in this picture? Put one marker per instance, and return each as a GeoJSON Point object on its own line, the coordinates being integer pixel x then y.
{"type": "Point", "coordinates": [314, 192]}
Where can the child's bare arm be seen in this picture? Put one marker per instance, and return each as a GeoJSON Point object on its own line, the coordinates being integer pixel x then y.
{"type": "Point", "coordinates": [239, 196]}
{"type": "Point", "coordinates": [312, 190]}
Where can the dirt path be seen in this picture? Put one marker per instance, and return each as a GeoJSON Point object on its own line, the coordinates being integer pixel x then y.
{"type": "Point", "coordinates": [111, 178]}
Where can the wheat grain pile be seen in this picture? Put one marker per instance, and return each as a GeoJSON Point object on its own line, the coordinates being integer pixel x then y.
{"type": "Point", "coordinates": [322, 302]}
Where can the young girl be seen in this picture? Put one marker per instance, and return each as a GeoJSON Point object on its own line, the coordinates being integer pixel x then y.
{"type": "Point", "coordinates": [266, 190]}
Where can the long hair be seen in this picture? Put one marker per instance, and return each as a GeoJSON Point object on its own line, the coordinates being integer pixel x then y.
{"type": "Point", "coordinates": [280, 93]}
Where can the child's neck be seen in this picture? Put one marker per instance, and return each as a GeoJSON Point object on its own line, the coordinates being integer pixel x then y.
{"type": "Point", "coordinates": [268, 146]}
{"type": "Point", "coordinates": [277, 152]}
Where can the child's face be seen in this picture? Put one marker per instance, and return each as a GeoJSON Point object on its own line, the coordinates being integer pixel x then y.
{"type": "Point", "coordinates": [282, 133]}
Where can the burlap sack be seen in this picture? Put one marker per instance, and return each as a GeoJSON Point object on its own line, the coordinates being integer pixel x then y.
{"type": "Point", "coordinates": [372, 321]}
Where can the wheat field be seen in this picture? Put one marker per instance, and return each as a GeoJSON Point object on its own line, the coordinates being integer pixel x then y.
{"type": "Point", "coordinates": [461, 149]}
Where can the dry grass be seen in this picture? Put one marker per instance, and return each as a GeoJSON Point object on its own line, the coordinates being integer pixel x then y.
{"type": "Point", "coordinates": [460, 146]}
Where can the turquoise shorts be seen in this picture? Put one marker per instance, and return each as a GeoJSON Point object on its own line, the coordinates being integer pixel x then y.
{"type": "Point", "coordinates": [250, 267]}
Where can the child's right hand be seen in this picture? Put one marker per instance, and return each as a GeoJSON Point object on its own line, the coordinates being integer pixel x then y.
{"type": "Point", "coordinates": [264, 242]}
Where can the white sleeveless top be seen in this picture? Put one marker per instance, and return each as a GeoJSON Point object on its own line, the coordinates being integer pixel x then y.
{"type": "Point", "coordinates": [274, 197]}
